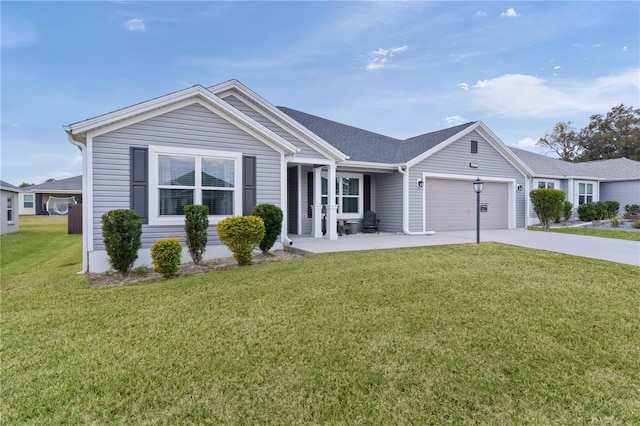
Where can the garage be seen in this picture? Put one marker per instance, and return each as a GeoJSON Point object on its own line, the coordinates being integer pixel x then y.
{"type": "Point", "coordinates": [450, 205]}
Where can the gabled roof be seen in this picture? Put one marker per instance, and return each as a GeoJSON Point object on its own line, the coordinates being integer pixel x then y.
{"type": "Point", "coordinates": [72, 185]}
{"type": "Point", "coordinates": [613, 169]}
{"type": "Point", "coordinates": [196, 94]}
{"type": "Point", "coordinates": [363, 145]}
{"type": "Point", "coordinates": [6, 186]}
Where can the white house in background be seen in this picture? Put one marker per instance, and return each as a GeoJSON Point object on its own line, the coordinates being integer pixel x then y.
{"type": "Point", "coordinates": [35, 198]}
{"type": "Point", "coordinates": [10, 220]}
{"type": "Point", "coordinates": [603, 180]}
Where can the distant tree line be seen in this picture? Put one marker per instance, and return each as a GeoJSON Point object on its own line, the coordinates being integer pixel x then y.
{"type": "Point", "coordinates": [615, 135]}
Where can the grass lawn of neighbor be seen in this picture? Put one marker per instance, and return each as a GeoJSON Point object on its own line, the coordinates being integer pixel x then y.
{"type": "Point", "coordinates": [466, 334]}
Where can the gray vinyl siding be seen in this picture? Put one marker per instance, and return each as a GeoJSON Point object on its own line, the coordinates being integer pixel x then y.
{"type": "Point", "coordinates": [625, 192]}
{"type": "Point", "coordinates": [193, 127]}
{"type": "Point", "coordinates": [454, 160]}
{"type": "Point", "coordinates": [388, 201]}
{"type": "Point", "coordinates": [305, 150]}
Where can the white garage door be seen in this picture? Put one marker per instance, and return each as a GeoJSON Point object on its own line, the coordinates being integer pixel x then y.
{"type": "Point", "coordinates": [451, 205]}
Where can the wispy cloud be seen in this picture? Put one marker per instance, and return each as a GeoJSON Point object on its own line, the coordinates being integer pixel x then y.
{"type": "Point", "coordinates": [17, 32]}
{"type": "Point", "coordinates": [519, 95]}
{"type": "Point", "coordinates": [453, 120]}
{"type": "Point", "coordinates": [525, 143]}
{"type": "Point", "coordinates": [510, 13]}
{"type": "Point", "coordinates": [135, 25]}
{"type": "Point", "coordinates": [381, 58]}
{"type": "Point", "coordinates": [481, 13]}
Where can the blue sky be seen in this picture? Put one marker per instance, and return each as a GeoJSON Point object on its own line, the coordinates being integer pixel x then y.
{"type": "Point", "coordinates": [399, 68]}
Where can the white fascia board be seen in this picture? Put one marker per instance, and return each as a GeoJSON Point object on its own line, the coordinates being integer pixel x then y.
{"type": "Point", "coordinates": [274, 114]}
{"type": "Point", "coordinates": [158, 106]}
{"type": "Point", "coordinates": [369, 165]}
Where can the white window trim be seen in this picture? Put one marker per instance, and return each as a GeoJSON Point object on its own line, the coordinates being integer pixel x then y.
{"type": "Point", "coordinates": [594, 192]}
{"type": "Point", "coordinates": [11, 209]}
{"type": "Point", "coordinates": [556, 183]}
{"type": "Point", "coordinates": [360, 178]}
{"type": "Point", "coordinates": [24, 200]}
{"type": "Point", "coordinates": [154, 209]}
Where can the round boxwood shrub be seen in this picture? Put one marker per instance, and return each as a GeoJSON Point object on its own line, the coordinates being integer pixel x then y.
{"type": "Point", "coordinates": [166, 255]}
{"type": "Point", "coordinates": [121, 233]}
{"type": "Point", "coordinates": [241, 235]}
{"type": "Point", "coordinates": [271, 215]}
{"type": "Point", "coordinates": [587, 212]}
{"type": "Point", "coordinates": [196, 223]}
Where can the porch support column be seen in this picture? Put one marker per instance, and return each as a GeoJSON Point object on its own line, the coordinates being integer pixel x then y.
{"type": "Point", "coordinates": [332, 208]}
{"type": "Point", "coordinates": [317, 203]}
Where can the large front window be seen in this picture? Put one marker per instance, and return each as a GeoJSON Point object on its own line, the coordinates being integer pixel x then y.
{"type": "Point", "coordinates": [348, 194]}
{"type": "Point", "coordinates": [546, 184]}
{"type": "Point", "coordinates": [585, 193]}
{"type": "Point", "coordinates": [185, 177]}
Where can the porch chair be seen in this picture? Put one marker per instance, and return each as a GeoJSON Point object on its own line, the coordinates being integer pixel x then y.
{"type": "Point", "coordinates": [370, 222]}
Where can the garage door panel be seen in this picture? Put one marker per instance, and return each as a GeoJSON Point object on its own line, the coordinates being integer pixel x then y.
{"type": "Point", "coordinates": [451, 205]}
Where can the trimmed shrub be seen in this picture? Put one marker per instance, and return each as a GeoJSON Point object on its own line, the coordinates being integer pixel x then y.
{"type": "Point", "coordinates": [271, 215]}
{"type": "Point", "coordinates": [587, 212]}
{"type": "Point", "coordinates": [122, 232]}
{"type": "Point", "coordinates": [166, 255]}
{"type": "Point", "coordinates": [547, 203]}
{"type": "Point", "coordinates": [241, 235]}
{"type": "Point", "coordinates": [611, 208]}
{"type": "Point", "coordinates": [567, 207]}
{"type": "Point", "coordinates": [196, 223]}
{"type": "Point", "coordinates": [632, 208]}
{"type": "Point", "coordinates": [615, 222]}
{"type": "Point", "coordinates": [636, 224]}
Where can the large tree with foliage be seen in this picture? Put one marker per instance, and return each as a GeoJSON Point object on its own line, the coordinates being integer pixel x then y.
{"type": "Point", "coordinates": [563, 141]}
{"type": "Point", "coordinates": [613, 136]}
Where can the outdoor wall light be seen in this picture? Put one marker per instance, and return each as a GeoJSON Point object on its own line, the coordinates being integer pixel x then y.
{"type": "Point", "coordinates": [520, 187]}
{"type": "Point", "coordinates": [420, 183]}
{"type": "Point", "coordinates": [477, 187]}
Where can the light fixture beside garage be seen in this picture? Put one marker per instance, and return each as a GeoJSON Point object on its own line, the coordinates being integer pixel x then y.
{"type": "Point", "coordinates": [420, 183]}
{"type": "Point", "coordinates": [477, 187]}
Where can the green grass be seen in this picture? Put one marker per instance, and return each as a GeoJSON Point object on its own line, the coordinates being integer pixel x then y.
{"type": "Point", "coordinates": [471, 334]}
{"type": "Point", "coordinates": [604, 232]}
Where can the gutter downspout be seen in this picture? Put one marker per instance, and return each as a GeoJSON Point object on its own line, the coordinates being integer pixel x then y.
{"type": "Point", "coordinates": [82, 147]}
{"type": "Point", "coordinates": [405, 205]}
{"type": "Point", "coordinates": [284, 189]}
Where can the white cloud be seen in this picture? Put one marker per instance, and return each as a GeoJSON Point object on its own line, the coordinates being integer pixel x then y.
{"type": "Point", "coordinates": [510, 13]}
{"type": "Point", "coordinates": [380, 58]}
{"type": "Point", "coordinates": [518, 95]}
{"type": "Point", "coordinates": [453, 120]}
{"type": "Point", "coordinates": [135, 25]}
{"type": "Point", "coordinates": [595, 46]}
{"type": "Point", "coordinates": [481, 13]}
{"type": "Point", "coordinates": [624, 48]}
{"type": "Point", "coordinates": [557, 67]}
{"type": "Point", "coordinates": [463, 86]}
{"type": "Point", "coordinates": [525, 143]}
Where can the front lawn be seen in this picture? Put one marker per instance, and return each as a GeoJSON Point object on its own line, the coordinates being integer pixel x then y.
{"type": "Point", "coordinates": [482, 334]}
{"type": "Point", "coordinates": [604, 232]}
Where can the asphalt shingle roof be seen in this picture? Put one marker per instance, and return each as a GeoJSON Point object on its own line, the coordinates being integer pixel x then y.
{"type": "Point", "coordinates": [613, 169]}
{"type": "Point", "coordinates": [363, 145]}
{"type": "Point", "coordinates": [6, 186]}
{"type": "Point", "coordinates": [72, 184]}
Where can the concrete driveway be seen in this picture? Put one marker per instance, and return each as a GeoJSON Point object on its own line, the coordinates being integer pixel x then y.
{"type": "Point", "coordinates": [620, 251]}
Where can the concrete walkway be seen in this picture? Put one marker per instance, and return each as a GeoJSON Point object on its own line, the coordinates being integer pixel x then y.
{"type": "Point", "coordinates": [620, 251]}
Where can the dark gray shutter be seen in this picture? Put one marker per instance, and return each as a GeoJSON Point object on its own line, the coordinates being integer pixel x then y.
{"type": "Point", "coordinates": [367, 193]}
{"type": "Point", "coordinates": [139, 180]}
{"type": "Point", "coordinates": [309, 195]}
{"type": "Point", "coordinates": [248, 184]}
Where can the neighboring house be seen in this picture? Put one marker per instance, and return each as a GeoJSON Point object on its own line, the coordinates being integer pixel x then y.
{"type": "Point", "coordinates": [604, 180]}
{"type": "Point", "coordinates": [228, 148]}
{"type": "Point", "coordinates": [10, 220]}
{"type": "Point", "coordinates": [34, 198]}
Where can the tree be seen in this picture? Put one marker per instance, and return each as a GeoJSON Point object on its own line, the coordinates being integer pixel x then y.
{"type": "Point", "coordinates": [614, 136]}
{"type": "Point", "coordinates": [563, 141]}
{"type": "Point", "coordinates": [25, 184]}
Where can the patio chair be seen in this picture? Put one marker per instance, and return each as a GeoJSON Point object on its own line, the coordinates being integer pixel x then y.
{"type": "Point", "coordinates": [370, 222]}
{"type": "Point", "coordinates": [343, 228]}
